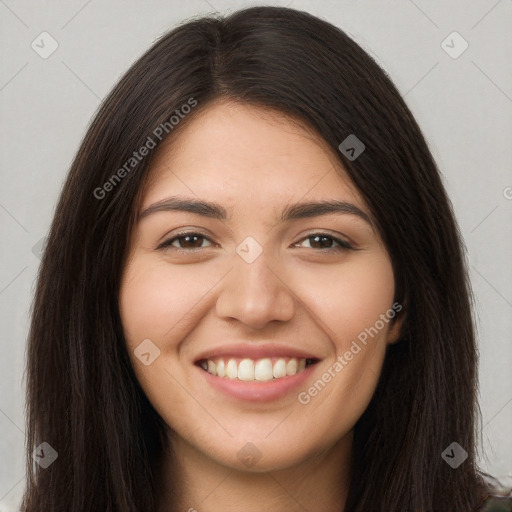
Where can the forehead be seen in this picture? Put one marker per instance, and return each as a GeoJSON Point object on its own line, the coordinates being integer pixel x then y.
{"type": "Point", "coordinates": [234, 151]}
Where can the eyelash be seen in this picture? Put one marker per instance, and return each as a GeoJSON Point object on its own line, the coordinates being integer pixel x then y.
{"type": "Point", "coordinates": [343, 245]}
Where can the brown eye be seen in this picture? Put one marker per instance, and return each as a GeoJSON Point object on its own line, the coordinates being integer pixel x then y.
{"type": "Point", "coordinates": [185, 241]}
{"type": "Point", "coordinates": [327, 242]}
{"type": "Point", "coordinates": [321, 242]}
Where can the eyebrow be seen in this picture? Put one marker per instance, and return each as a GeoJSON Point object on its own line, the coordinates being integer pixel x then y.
{"type": "Point", "coordinates": [290, 212]}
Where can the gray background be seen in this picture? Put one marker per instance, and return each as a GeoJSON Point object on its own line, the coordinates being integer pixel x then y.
{"type": "Point", "coordinates": [463, 104]}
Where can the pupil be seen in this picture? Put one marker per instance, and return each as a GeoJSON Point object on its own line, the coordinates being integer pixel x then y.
{"type": "Point", "coordinates": [189, 239]}
{"type": "Point", "coordinates": [325, 241]}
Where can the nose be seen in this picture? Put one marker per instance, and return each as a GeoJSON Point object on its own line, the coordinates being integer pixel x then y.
{"type": "Point", "coordinates": [255, 294]}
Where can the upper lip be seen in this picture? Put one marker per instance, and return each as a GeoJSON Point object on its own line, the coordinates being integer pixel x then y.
{"type": "Point", "coordinates": [257, 350]}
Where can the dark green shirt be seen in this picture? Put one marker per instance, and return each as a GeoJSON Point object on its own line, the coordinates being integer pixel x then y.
{"type": "Point", "coordinates": [496, 504]}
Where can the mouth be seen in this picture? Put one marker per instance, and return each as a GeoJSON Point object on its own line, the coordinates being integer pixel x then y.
{"type": "Point", "coordinates": [264, 369]}
{"type": "Point", "coordinates": [256, 372]}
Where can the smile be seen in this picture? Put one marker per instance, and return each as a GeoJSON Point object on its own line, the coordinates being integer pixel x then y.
{"type": "Point", "coordinates": [262, 369]}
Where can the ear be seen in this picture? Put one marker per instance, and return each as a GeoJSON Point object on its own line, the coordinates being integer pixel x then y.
{"type": "Point", "coordinates": [396, 328]}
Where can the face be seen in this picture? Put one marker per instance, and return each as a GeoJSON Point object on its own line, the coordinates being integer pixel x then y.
{"type": "Point", "coordinates": [256, 328]}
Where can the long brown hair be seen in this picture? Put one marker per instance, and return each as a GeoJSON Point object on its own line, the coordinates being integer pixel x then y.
{"type": "Point", "coordinates": [82, 395]}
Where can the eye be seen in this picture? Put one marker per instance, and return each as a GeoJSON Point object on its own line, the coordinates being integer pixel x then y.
{"type": "Point", "coordinates": [190, 241]}
{"type": "Point", "coordinates": [324, 241]}
{"type": "Point", "coordinates": [186, 242]}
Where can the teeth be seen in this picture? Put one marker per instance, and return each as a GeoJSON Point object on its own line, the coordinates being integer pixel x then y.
{"type": "Point", "coordinates": [221, 370]}
{"type": "Point", "coordinates": [246, 370]}
{"type": "Point", "coordinates": [250, 370]}
{"type": "Point", "coordinates": [231, 369]}
{"type": "Point", "coordinates": [212, 368]}
{"type": "Point", "coordinates": [279, 369]}
{"type": "Point", "coordinates": [291, 367]}
{"type": "Point", "coordinates": [263, 370]}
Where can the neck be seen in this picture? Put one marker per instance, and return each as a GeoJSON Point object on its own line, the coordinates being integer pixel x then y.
{"type": "Point", "coordinates": [191, 481]}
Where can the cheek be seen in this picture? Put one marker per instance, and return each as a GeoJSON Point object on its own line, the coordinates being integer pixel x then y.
{"type": "Point", "coordinates": [155, 302]}
{"type": "Point", "coordinates": [350, 305]}
{"type": "Point", "coordinates": [338, 405]}
{"type": "Point", "coordinates": [350, 298]}
{"type": "Point", "coordinates": [159, 303]}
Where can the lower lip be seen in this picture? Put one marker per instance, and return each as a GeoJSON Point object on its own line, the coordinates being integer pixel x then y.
{"type": "Point", "coordinates": [256, 391]}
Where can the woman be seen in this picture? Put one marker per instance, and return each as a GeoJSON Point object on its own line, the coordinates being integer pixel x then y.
{"type": "Point", "coordinates": [254, 295]}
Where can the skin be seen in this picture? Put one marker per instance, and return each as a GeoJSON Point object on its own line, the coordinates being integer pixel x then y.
{"type": "Point", "coordinates": [254, 162]}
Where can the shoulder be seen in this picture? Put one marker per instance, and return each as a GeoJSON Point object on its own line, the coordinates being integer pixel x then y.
{"type": "Point", "coordinates": [495, 503]}
{"type": "Point", "coordinates": [498, 497]}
